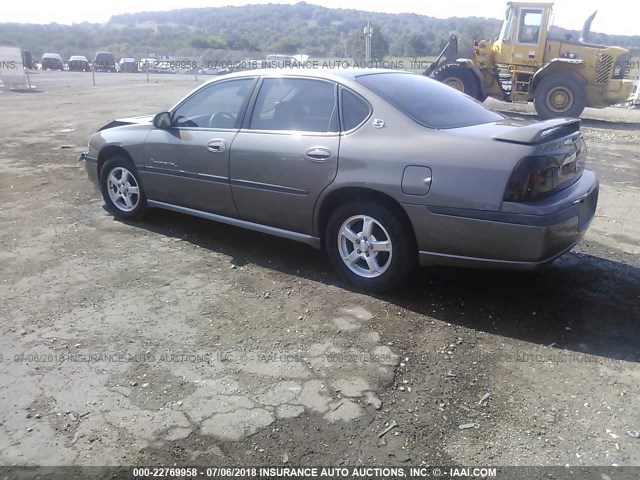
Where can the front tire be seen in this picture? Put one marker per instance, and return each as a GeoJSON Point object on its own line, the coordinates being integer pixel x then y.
{"type": "Point", "coordinates": [559, 96]}
{"type": "Point", "coordinates": [121, 189]}
{"type": "Point", "coordinates": [370, 245]}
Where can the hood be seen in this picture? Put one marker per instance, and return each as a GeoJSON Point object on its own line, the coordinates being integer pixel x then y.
{"type": "Point", "coordinates": [141, 120]}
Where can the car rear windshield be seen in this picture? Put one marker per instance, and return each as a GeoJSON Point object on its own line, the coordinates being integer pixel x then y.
{"type": "Point", "coordinates": [428, 102]}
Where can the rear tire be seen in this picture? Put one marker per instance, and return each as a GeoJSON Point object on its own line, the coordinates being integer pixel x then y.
{"type": "Point", "coordinates": [121, 189]}
{"type": "Point", "coordinates": [559, 95]}
{"type": "Point", "coordinates": [370, 245]}
{"type": "Point", "coordinates": [460, 78]}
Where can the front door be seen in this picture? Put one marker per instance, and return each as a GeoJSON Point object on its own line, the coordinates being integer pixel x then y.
{"type": "Point", "coordinates": [528, 49]}
{"type": "Point", "coordinates": [286, 153]}
{"type": "Point", "coordinates": [188, 164]}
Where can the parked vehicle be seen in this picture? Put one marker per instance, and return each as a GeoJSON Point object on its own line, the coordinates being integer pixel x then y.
{"type": "Point", "coordinates": [104, 62]}
{"type": "Point", "coordinates": [165, 67]}
{"type": "Point", "coordinates": [148, 65]}
{"type": "Point", "coordinates": [79, 63]}
{"type": "Point", "coordinates": [128, 65]}
{"type": "Point", "coordinates": [51, 61]}
{"type": "Point", "coordinates": [190, 71]}
{"type": "Point", "coordinates": [383, 168]}
{"type": "Point", "coordinates": [284, 61]}
{"type": "Point", "coordinates": [213, 71]}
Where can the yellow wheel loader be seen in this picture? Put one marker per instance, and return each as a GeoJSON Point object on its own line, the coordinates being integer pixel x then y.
{"type": "Point", "coordinates": [561, 78]}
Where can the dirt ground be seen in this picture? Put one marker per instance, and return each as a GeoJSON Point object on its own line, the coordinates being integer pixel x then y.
{"type": "Point", "coordinates": [182, 341]}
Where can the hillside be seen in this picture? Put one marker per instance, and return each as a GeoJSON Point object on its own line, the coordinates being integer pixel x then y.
{"type": "Point", "coordinates": [257, 30]}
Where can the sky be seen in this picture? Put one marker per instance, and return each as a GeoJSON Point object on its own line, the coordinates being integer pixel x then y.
{"type": "Point", "coordinates": [615, 17]}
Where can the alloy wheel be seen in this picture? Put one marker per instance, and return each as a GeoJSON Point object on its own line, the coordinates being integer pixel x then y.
{"type": "Point", "coordinates": [123, 188]}
{"type": "Point", "coordinates": [365, 246]}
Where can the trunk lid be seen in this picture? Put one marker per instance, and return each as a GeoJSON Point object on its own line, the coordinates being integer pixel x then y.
{"type": "Point", "coordinates": [553, 153]}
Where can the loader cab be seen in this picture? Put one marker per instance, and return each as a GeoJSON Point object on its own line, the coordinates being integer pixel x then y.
{"type": "Point", "coordinates": [523, 35]}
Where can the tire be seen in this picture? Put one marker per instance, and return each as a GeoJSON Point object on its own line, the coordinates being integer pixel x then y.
{"type": "Point", "coordinates": [460, 78]}
{"type": "Point", "coordinates": [393, 262]}
{"type": "Point", "coordinates": [121, 189]}
{"type": "Point", "coordinates": [559, 96]}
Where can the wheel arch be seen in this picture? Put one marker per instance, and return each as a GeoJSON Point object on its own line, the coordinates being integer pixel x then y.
{"type": "Point", "coordinates": [111, 151]}
{"type": "Point", "coordinates": [470, 64]}
{"type": "Point", "coordinates": [562, 66]}
{"type": "Point", "coordinates": [327, 204]}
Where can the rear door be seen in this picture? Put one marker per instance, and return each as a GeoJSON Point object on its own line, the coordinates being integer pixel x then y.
{"type": "Point", "coordinates": [286, 153]}
{"type": "Point", "coordinates": [188, 164]}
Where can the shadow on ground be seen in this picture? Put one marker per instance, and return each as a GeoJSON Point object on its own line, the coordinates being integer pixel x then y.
{"type": "Point", "coordinates": [582, 303]}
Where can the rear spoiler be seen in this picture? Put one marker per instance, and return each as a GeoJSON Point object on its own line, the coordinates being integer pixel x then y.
{"type": "Point", "coordinates": [540, 132]}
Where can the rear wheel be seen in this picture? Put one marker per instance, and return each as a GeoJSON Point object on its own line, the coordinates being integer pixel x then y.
{"type": "Point", "coordinates": [460, 78]}
{"type": "Point", "coordinates": [559, 96]}
{"type": "Point", "coordinates": [370, 245]}
{"type": "Point", "coordinates": [121, 189]}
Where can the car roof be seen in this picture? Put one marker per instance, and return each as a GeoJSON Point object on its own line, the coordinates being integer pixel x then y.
{"type": "Point", "coordinates": [334, 74]}
{"type": "Point", "coordinates": [82, 58]}
{"type": "Point", "coordinates": [52, 55]}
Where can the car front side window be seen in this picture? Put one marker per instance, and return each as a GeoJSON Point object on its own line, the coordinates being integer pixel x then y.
{"type": "Point", "coordinates": [219, 105]}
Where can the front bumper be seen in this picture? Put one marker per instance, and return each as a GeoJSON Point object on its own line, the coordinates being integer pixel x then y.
{"type": "Point", "coordinates": [531, 237]}
{"type": "Point", "coordinates": [91, 166]}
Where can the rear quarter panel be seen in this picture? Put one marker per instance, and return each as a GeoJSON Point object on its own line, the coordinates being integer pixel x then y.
{"type": "Point", "coordinates": [467, 172]}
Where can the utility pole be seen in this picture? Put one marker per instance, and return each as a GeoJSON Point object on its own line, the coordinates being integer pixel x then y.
{"type": "Point", "coordinates": [368, 33]}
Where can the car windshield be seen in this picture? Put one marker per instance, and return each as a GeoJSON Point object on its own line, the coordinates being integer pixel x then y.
{"type": "Point", "coordinates": [428, 102]}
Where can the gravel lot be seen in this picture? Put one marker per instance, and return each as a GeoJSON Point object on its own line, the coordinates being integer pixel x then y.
{"type": "Point", "coordinates": [183, 341]}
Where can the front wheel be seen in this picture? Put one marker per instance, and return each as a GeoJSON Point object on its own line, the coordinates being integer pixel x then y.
{"type": "Point", "coordinates": [370, 246]}
{"type": "Point", "coordinates": [121, 189]}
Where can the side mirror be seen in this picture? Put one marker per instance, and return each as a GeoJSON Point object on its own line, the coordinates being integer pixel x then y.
{"type": "Point", "coordinates": [162, 120]}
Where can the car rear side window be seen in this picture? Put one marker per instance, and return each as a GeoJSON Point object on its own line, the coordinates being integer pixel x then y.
{"type": "Point", "coordinates": [427, 101]}
{"type": "Point", "coordinates": [218, 105]}
{"type": "Point", "coordinates": [295, 104]}
{"type": "Point", "coordinates": [354, 110]}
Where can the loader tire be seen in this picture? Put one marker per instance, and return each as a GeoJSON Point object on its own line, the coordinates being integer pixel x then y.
{"type": "Point", "coordinates": [559, 96]}
{"type": "Point", "coordinates": [460, 78]}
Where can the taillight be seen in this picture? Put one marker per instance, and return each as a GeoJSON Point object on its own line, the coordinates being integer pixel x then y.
{"type": "Point", "coordinates": [531, 178]}
{"type": "Point", "coordinates": [538, 176]}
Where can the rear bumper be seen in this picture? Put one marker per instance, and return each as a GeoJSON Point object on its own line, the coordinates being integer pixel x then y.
{"type": "Point", "coordinates": [524, 237]}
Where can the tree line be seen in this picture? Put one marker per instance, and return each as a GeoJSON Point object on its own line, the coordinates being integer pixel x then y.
{"type": "Point", "coordinates": [257, 30]}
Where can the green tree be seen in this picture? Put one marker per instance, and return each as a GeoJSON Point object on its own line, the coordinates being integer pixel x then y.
{"type": "Point", "coordinates": [288, 45]}
{"type": "Point", "coordinates": [216, 42]}
{"type": "Point", "coordinates": [415, 45]}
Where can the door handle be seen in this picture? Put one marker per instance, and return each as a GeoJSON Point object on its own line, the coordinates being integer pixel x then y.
{"type": "Point", "coordinates": [318, 154]}
{"type": "Point", "coordinates": [217, 146]}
